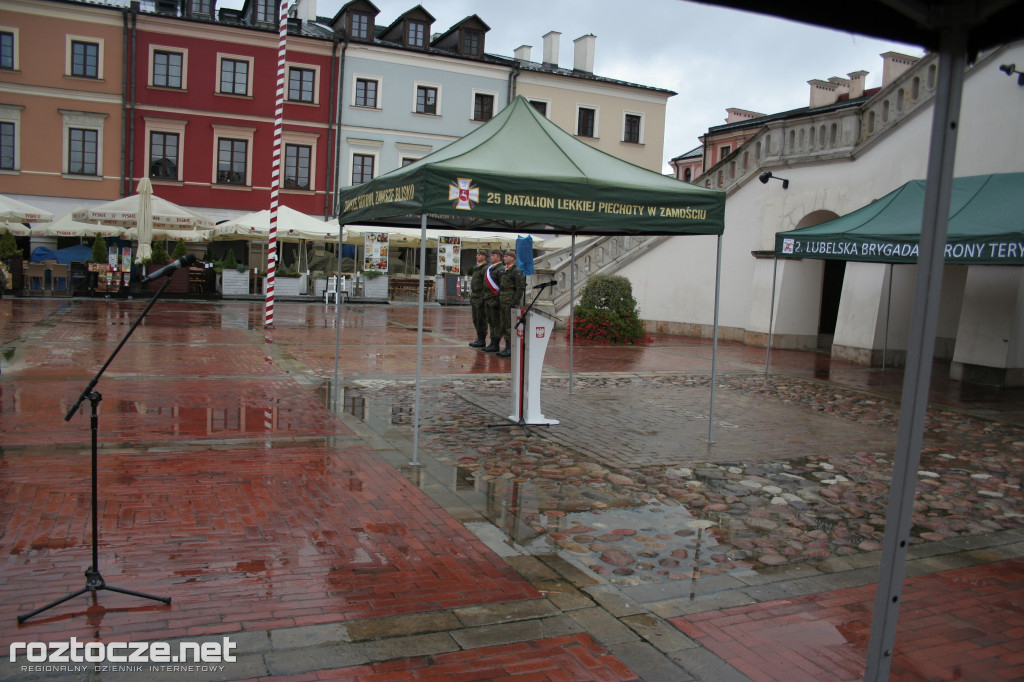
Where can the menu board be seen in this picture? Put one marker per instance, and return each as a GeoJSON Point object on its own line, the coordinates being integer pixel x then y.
{"type": "Point", "coordinates": [375, 255]}
{"type": "Point", "coordinates": [449, 255]}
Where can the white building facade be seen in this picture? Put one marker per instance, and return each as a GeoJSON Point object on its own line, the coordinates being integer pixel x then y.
{"type": "Point", "coordinates": [837, 161]}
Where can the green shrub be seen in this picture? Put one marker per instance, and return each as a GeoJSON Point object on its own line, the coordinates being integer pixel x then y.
{"type": "Point", "coordinates": [159, 254]}
{"type": "Point", "coordinates": [179, 250]}
{"type": "Point", "coordinates": [607, 312]}
{"type": "Point", "coordinates": [99, 249]}
{"type": "Point", "coordinates": [8, 246]}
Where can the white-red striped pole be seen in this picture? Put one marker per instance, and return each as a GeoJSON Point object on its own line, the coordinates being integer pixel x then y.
{"type": "Point", "coordinates": [275, 168]}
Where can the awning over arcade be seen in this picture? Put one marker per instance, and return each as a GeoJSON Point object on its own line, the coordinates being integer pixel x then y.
{"type": "Point", "coordinates": [519, 172]}
{"type": "Point", "coordinates": [985, 226]}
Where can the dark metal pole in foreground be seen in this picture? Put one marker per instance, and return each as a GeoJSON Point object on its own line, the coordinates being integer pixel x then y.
{"type": "Point", "coordinates": [917, 377]}
{"type": "Point", "coordinates": [771, 319]}
{"type": "Point", "coordinates": [714, 343]}
{"type": "Point", "coordinates": [93, 579]}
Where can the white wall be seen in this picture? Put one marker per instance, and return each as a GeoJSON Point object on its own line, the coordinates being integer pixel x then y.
{"type": "Point", "coordinates": [676, 283]}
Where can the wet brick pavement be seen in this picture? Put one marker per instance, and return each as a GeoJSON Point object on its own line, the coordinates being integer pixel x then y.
{"type": "Point", "coordinates": [600, 550]}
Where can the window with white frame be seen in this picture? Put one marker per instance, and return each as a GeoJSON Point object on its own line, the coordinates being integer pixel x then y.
{"type": "Point", "coordinates": [232, 162]}
{"type": "Point", "coordinates": [83, 143]}
{"type": "Point", "coordinates": [483, 106]}
{"type": "Point", "coordinates": [9, 48]}
{"type": "Point", "coordinates": [367, 92]}
{"type": "Point", "coordinates": [586, 121]}
{"type": "Point", "coordinates": [10, 130]}
{"type": "Point", "coordinates": [632, 128]}
{"type": "Point", "coordinates": [84, 57]}
{"type": "Point", "coordinates": [168, 68]}
{"type": "Point", "coordinates": [541, 105]}
{"type": "Point", "coordinates": [163, 155]}
{"type": "Point", "coordinates": [297, 166]}
{"type": "Point", "coordinates": [362, 167]}
{"type": "Point", "coordinates": [234, 73]}
{"type": "Point", "coordinates": [302, 84]}
{"type": "Point", "coordinates": [165, 145]}
{"type": "Point", "coordinates": [428, 99]}
{"type": "Point", "coordinates": [299, 160]}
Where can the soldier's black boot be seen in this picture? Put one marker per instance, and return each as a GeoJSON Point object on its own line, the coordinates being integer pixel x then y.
{"type": "Point", "coordinates": [507, 352]}
{"type": "Point", "coordinates": [493, 347]}
{"type": "Point", "coordinates": [479, 343]}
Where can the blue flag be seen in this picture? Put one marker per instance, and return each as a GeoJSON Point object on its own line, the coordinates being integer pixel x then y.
{"type": "Point", "coordinates": [524, 254]}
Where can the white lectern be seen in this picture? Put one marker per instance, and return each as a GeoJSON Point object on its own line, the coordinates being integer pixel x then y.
{"type": "Point", "coordinates": [528, 348]}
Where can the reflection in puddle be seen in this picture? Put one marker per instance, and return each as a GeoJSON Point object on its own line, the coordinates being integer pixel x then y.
{"type": "Point", "coordinates": [648, 542]}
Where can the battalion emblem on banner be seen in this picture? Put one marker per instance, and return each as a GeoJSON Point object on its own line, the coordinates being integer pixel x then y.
{"type": "Point", "coordinates": [540, 332]}
{"type": "Point", "coordinates": [787, 245]}
{"type": "Point", "coordinates": [464, 193]}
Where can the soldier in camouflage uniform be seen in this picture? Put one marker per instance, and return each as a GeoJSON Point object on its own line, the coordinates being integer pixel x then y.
{"type": "Point", "coordinates": [492, 307]}
{"type": "Point", "coordinates": [476, 300]}
{"type": "Point", "coordinates": [512, 294]}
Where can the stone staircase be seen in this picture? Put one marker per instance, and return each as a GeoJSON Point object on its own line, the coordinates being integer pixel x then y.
{"type": "Point", "coordinates": [596, 255]}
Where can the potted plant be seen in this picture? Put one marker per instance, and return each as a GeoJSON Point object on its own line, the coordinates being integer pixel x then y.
{"type": "Point", "coordinates": [234, 277]}
{"type": "Point", "coordinates": [13, 260]}
{"type": "Point", "coordinates": [375, 284]}
{"type": "Point", "coordinates": [288, 282]}
{"type": "Point", "coordinates": [160, 258]}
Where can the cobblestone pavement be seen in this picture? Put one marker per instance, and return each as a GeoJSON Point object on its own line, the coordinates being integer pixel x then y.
{"type": "Point", "coordinates": [241, 479]}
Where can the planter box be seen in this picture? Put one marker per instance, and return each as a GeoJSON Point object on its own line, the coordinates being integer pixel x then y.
{"type": "Point", "coordinates": [288, 286]}
{"type": "Point", "coordinates": [376, 288]}
{"type": "Point", "coordinates": [177, 285]}
{"type": "Point", "coordinates": [234, 283]}
{"type": "Point", "coordinates": [319, 287]}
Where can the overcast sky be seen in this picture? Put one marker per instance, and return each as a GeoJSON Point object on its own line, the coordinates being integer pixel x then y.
{"type": "Point", "coordinates": [713, 58]}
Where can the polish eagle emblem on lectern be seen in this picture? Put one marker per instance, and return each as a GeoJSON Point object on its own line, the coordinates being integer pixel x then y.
{"type": "Point", "coordinates": [464, 193]}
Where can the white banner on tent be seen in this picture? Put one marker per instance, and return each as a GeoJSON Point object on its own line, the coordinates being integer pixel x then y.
{"type": "Point", "coordinates": [375, 257]}
{"type": "Point", "coordinates": [449, 255]}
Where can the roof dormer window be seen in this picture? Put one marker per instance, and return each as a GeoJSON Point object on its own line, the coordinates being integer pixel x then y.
{"type": "Point", "coordinates": [359, 25]}
{"type": "Point", "coordinates": [472, 43]}
{"type": "Point", "coordinates": [416, 34]}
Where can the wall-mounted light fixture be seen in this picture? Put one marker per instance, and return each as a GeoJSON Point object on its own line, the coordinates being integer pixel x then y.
{"type": "Point", "coordinates": [1010, 69]}
{"type": "Point", "coordinates": [767, 175]}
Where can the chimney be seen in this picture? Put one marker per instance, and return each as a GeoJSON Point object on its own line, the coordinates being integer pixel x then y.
{"type": "Point", "coordinates": [842, 86]}
{"type": "Point", "coordinates": [523, 52]}
{"type": "Point", "coordinates": [823, 93]}
{"type": "Point", "coordinates": [305, 10]}
{"type": "Point", "coordinates": [583, 55]}
{"type": "Point", "coordinates": [894, 65]}
{"type": "Point", "coordinates": [857, 83]}
{"type": "Point", "coordinates": [551, 48]}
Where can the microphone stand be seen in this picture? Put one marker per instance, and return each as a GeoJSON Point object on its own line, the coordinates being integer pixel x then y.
{"type": "Point", "coordinates": [94, 581]}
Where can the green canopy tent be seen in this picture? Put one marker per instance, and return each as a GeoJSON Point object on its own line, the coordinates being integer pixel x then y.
{"type": "Point", "coordinates": [984, 229]}
{"type": "Point", "coordinates": [519, 172]}
{"type": "Point", "coordinates": [984, 226]}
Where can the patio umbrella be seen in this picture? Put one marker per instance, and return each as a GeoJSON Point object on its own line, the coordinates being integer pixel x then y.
{"type": "Point", "coordinates": [292, 225]}
{"type": "Point", "coordinates": [144, 225]}
{"type": "Point", "coordinates": [17, 229]}
{"type": "Point", "coordinates": [65, 226]}
{"type": "Point", "coordinates": [187, 236]}
{"type": "Point", "coordinates": [12, 210]}
{"type": "Point", "coordinates": [162, 214]}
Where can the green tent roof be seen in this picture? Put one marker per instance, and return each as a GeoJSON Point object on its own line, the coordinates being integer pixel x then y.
{"type": "Point", "coordinates": [986, 226]}
{"type": "Point", "coordinates": [520, 172]}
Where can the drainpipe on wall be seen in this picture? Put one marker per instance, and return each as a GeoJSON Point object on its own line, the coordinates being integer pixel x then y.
{"type": "Point", "coordinates": [131, 103]}
{"type": "Point", "coordinates": [332, 114]}
{"type": "Point", "coordinates": [512, 78]}
{"type": "Point", "coordinates": [337, 138]}
{"type": "Point", "coordinates": [124, 95]}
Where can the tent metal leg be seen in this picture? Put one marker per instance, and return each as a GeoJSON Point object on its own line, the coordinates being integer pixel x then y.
{"type": "Point", "coordinates": [714, 343]}
{"type": "Point", "coordinates": [920, 350]}
{"type": "Point", "coordinates": [572, 300]}
{"type": "Point", "coordinates": [419, 345]}
{"type": "Point", "coordinates": [771, 319]}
